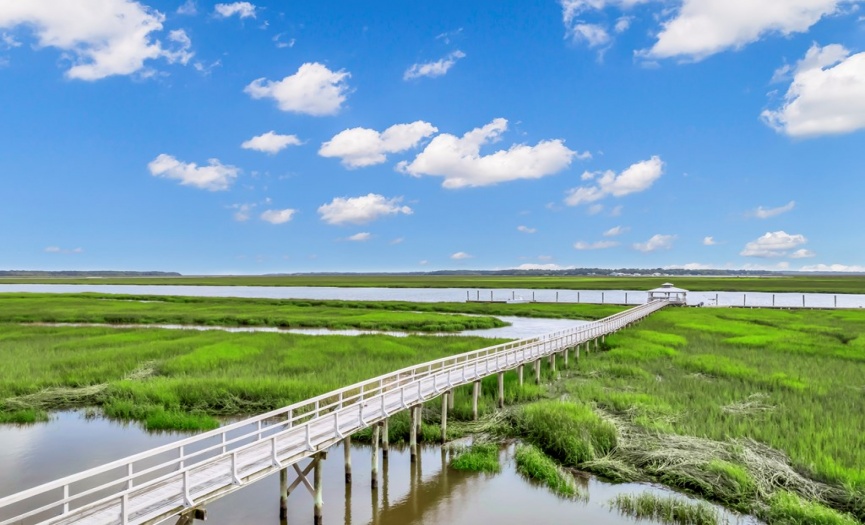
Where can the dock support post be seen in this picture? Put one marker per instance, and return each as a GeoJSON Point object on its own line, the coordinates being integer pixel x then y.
{"type": "Point", "coordinates": [283, 494]}
{"type": "Point", "coordinates": [565, 353]}
{"type": "Point", "coordinates": [596, 343]}
{"type": "Point", "coordinates": [385, 438]}
{"type": "Point", "coordinates": [444, 425]}
{"type": "Point", "coordinates": [451, 396]}
{"type": "Point", "coordinates": [319, 492]}
{"type": "Point", "coordinates": [553, 362]}
{"type": "Point", "coordinates": [412, 434]}
{"type": "Point", "coordinates": [346, 449]}
{"type": "Point", "coordinates": [538, 371]}
{"type": "Point", "coordinates": [476, 392]}
{"type": "Point", "coordinates": [501, 390]}
{"type": "Point", "coordinates": [577, 352]}
{"type": "Point", "coordinates": [419, 420]}
{"type": "Point", "coordinates": [520, 374]}
{"type": "Point", "coordinates": [376, 432]}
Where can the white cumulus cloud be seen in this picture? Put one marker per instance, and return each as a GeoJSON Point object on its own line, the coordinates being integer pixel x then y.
{"type": "Point", "coordinates": [213, 177]}
{"type": "Point", "coordinates": [526, 229]}
{"type": "Point", "coordinates": [359, 237]}
{"type": "Point", "coordinates": [433, 69]}
{"type": "Point", "coordinates": [826, 96]}
{"type": "Point", "coordinates": [802, 253]}
{"type": "Point", "coordinates": [773, 244]}
{"type": "Point", "coordinates": [459, 256]}
{"type": "Point", "coordinates": [359, 147]}
{"type": "Point", "coordinates": [599, 245]}
{"type": "Point", "coordinates": [638, 177]}
{"type": "Point", "coordinates": [100, 38]}
{"type": "Point", "coordinates": [57, 249]}
{"type": "Point", "coordinates": [765, 213]}
{"type": "Point", "coordinates": [701, 28]}
{"type": "Point", "coordinates": [594, 35]}
{"type": "Point", "coordinates": [656, 242]}
{"type": "Point", "coordinates": [271, 142]}
{"type": "Point", "coordinates": [313, 90]}
{"type": "Point", "coordinates": [852, 268]}
{"type": "Point", "coordinates": [709, 241]}
{"type": "Point", "coordinates": [616, 230]}
{"type": "Point", "coordinates": [551, 266]}
{"type": "Point", "coordinates": [459, 161]}
{"type": "Point", "coordinates": [240, 9]}
{"type": "Point", "coordinates": [361, 210]}
{"type": "Point", "coordinates": [277, 216]}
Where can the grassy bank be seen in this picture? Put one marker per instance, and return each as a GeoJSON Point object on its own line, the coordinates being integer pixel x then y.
{"type": "Point", "coordinates": [760, 410]}
{"type": "Point", "coordinates": [798, 283]}
{"type": "Point", "coordinates": [182, 379]}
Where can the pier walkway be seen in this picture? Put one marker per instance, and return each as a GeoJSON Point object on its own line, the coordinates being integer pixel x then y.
{"type": "Point", "coordinates": [182, 477]}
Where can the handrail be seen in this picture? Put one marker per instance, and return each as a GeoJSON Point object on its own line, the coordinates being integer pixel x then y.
{"type": "Point", "coordinates": [311, 411]}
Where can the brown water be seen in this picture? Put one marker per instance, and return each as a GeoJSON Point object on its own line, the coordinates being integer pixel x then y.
{"type": "Point", "coordinates": [429, 492]}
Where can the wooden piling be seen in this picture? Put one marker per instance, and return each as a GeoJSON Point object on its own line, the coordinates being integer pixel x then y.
{"type": "Point", "coordinates": [412, 434]}
{"type": "Point", "coordinates": [520, 374]}
{"type": "Point", "coordinates": [538, 371]}
{"type": "Point", "coordinates": [376, 432]}
{"type": "Point", "coordinates": [577, 352]}
{"type": "Point", "coordinates": [385, 438]}
{"type": "Point", "coordinates": [444, 425]}
{"type": "Point", "coordinates": [346, 449]}
{"type": "Point", "coordinates": [501, 390]}
{"type": "Point", "coordinates": [319, 492]}
{"type": "Point", "coordinates": [553, 362]}
{"type": "Point", "coordinates": [283, 494]}
{"type": "Point", "coordinates": [565, 354]}
{"type": "Point", "coordinates": [451, 396]}
{"type": "Point", "coordinates": [476, 392]}
{"type": "Point", "coordinates": [420, 420]}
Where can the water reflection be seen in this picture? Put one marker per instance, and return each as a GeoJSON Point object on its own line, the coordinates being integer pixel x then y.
{"type": "Point", "coordinates": [425, 492]}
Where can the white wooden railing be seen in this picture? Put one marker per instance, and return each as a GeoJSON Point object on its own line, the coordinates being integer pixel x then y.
{"type": "Point", "coordinates": [164, 481]}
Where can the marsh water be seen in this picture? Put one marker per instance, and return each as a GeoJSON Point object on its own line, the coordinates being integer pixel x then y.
{"type": "Point", "coordinates": [429, 492]}
{"type": "Point", "coordinates": [518, 328]}
{"type": "Point", "coordinates": [423, 295]}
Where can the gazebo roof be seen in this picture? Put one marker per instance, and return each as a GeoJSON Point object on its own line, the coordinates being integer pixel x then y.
{"type": "Point", "coordinates": [667, 287]}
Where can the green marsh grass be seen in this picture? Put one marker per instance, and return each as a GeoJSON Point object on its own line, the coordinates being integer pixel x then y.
{"type": "Point", "coordinates": [787, 508]}
{"type": "Point", "coordinates": [670, 510]}
{"type": "Point", "coordinates": [191, 372]}
{"type": "Point", "coordinates": [238, 312]}
{"type": "Point", "coordinates": [535, 465]}
{"type": "Point", "coordinates": [572, 433]}
{"type": "Point", "coordinates": [478, 457]}
{"type": "Point", "coordinates": [732, 405]}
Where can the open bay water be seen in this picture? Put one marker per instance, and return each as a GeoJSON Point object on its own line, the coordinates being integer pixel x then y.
{"type": "Point", "coordinates": [429, 295]}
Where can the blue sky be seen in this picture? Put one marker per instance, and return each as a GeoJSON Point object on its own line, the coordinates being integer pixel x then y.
{"type": "Point", "coordinates": [258, 137]}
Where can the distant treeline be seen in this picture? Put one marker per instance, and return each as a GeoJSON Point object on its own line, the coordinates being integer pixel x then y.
{"type": "Point", "coordinates": [585, 272]}
{"type": "Point", "coordinates": [84, 273]}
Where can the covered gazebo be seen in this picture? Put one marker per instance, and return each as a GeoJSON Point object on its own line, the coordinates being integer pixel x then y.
{"type": "Point", "coordinates": [668, 292]}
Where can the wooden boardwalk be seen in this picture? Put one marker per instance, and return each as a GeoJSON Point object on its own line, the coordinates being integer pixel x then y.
{"type": "Point", "coordinates": [172, 479]}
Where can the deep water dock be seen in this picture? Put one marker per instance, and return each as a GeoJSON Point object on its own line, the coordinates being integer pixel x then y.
{"type": "Point", "coordinates": [179, 479]}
